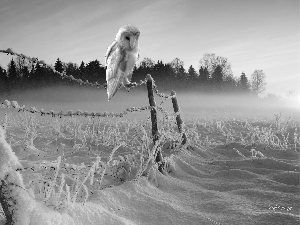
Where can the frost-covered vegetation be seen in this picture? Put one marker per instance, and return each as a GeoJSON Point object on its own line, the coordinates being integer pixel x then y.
{"type": "Point", "coordinates": [78, 170]}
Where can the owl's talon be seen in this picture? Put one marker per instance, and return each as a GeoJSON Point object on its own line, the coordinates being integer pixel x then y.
{"type": "Point", "coordinates": [130, 85]}
{"type": "Point", "coordinates": [127, 87]}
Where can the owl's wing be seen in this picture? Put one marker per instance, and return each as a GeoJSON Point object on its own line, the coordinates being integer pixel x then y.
{"type": "Point", "coordinates": [115, 71]}
{"type": "Point", "coordinates": [110, 49]}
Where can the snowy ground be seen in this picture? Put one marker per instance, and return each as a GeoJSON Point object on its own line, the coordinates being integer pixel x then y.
{"type": "Point", "coordinates": [235, 171]}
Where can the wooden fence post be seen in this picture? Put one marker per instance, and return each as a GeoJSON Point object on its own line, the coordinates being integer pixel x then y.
{"type": "Point", "coordinates": [152, 103]}
{"type": "Point", "coordinates": [178, 117]}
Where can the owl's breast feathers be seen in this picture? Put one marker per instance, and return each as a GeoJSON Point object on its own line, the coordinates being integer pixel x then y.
{"type": "Point", "coordinates": [130, 59]}
{"type": "Point", "coordinates": [127, 59]}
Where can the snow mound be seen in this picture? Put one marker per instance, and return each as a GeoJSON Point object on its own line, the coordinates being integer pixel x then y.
{"type": "Point", "coordinates": [8, 160]}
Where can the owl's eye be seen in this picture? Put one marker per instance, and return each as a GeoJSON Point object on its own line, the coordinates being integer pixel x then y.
{"type": "Point", "coordinates": [127, 38]}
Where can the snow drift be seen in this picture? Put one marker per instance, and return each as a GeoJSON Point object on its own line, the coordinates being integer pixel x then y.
{"type": "Point", "coordinates": [216, 186]}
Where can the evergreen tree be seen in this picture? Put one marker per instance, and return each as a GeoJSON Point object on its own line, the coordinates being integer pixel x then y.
{"type": "Point", "coordinates": [37, 75]}
{"type": "Point", "coordinates": [81, 69]}
{"type": "Point", "coordinates": [25, 72]}
{"type": "Point", "coordinates": [168, 77]}
{"type": "Point", "coordinates": [95, 72]}
{"type": "Point", "coordinates": [72, 68]}
{"type": "Point", "coordinates": [192, 77]}
{"type": "Point", "coordinates": [2, 73]}
{"type": "Point", "coordinates": [243, 83]}
{"type": "Point", "coordinates": [158, 67]}
{"type": "Point", "coordinates": [192, 72]}
{"type": "Point", "coordinates": [203, 75]}
{"type": "Point", "coordinates": [3, 80]}
{"type": "Point", "coordinates": [229, 84]}
{"type": "Point", "coordinates": [41, 75]}
{"type": "Point", "coordinates": [59, 66]}
{"type": "Point", "coordinates": [25, 77]}
{"type": "Point", "coordinates": [12, 75]}
{"type": "Point", "coordinates": [217, 75]}
{"type": "Point", "coordinates": [12, 71]}
{"type": "Point", "coordinates": [182, 79]}
{"type": "Point", "coordinates": [164, 72]}
{"type": "Point", "coordinates": [217, 79]}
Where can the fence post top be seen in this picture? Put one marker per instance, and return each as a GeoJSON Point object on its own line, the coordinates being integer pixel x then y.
{"type": "Point", "coordinates": [149, 77]}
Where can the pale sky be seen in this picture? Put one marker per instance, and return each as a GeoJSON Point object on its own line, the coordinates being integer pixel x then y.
{"type": "Point", "coordinates": [256, 34]}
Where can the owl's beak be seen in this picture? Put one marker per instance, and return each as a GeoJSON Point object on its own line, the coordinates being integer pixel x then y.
{"type": "Point", "coordinates": [132, 42]}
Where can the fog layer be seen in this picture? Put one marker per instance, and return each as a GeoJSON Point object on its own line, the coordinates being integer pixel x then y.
{"type": "Point", "coordinates": [64, 98]}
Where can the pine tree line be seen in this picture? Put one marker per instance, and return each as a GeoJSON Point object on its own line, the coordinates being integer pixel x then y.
{"type": "Point", "coordinates": [213, 76]}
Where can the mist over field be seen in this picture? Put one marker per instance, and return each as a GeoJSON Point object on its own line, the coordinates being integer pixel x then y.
{"type": "Point", "coordinates": [64, 98]}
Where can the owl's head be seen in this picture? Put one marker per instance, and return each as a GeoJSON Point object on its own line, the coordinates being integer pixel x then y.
{"type": "Point", "coordinates": [128, 37]}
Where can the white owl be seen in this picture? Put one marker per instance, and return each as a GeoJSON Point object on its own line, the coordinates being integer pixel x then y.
{"type": "Point", "coordinates": [120, 58]}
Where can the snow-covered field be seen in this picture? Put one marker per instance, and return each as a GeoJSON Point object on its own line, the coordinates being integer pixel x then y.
{"type": "Point", "coordinates": [234, 170]}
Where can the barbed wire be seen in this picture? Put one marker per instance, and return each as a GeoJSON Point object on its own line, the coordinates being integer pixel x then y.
{"type": "Point", "coordinates": [15, 105]}
{"type": "Point", "coordinates": [23, 108]}
{"type": "Point", "coordinates": [162, 95]}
